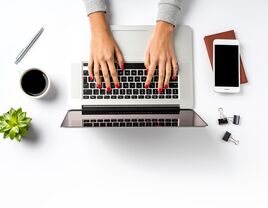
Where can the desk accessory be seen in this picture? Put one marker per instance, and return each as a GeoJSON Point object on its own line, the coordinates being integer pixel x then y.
{"type": "Point", "coordinates": [25, 50]}
{"type": "Point", "coordinates": [34, 83]}
{"type": "Point", "coordinates": [224, 35]}
{"type": "Point", "coordinates": [14, 124]}
{"type": "Point", "coordinates": [224, 119]}
{"type": "Point", "coordinates": [228, 138]}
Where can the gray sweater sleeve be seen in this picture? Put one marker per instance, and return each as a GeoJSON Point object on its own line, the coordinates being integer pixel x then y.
{"type": "Point", "coordinates": [95, 6]}
{"type": "Point", "coordinates": [168, 10]}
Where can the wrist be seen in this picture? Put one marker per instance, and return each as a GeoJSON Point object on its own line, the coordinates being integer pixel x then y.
{"type": "Point", "coordinates": [164, 27]}
{"type": "Point", "coordinates": [98, 23]}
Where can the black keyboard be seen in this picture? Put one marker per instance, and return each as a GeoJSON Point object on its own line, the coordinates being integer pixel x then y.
{"type": "Point", "coordinates": [147, 122]}
{"type": "Point", "coordinates": [132, 81]}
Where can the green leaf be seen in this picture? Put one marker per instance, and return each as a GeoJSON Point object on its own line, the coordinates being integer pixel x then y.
{"type": "Point", "coordinates": [11, 111]}
{"type": "Point", "coordinates": [12, 134]}
{"type": "Point", "coordinates": [18, 137]}
{"type": "Point", "coordinates": [18, 111]}
{"type": "Point", "coordinates": [22, 124]}
{"type": "Point", "coordinates": [5, 135]}
{"type": "Point", "coordinates": [15, 129]}
{"type": "Point", "coordinates": [2, 118]}
{"type": "Point", "coordinates": [21, 116]}
{"type": "Point", "coordinates": [7, 116]}
{"type": "Point", "coordinates": [23, 132]}
{"type": "Point", "coordinates": [6, 128]}
{"type": "Point", "coordinates": [27, 120]}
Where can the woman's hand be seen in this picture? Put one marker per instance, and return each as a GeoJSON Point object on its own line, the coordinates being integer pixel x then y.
{"type": "Point", "coordinates": [103, 52]}
{"type": "Point", "coordinates": [160, 52]}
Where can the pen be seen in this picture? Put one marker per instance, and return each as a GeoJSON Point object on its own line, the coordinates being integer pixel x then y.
{"type": "Point", "coordinates": [25, 50]}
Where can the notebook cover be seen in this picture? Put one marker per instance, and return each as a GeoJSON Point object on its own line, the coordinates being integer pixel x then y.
{"type": "Point", "coordinates": [224, 35]}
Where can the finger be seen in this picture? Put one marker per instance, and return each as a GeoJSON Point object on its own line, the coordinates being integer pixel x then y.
{"type": "Point", "coordinates": [113, 73]}
{"type": "Point", "coordinates": [175, 68]}
{"type": "Point", "coordinates": [90, 68]}
{"type": "Point", "coordinates": [168, 74]}
{"type": "Point", "coordinates": [97, 74]}
{"type": "Point", "coordinates": [105, 74]}
{"type": "Point", "coordinates": [119, 58]}
{"type": "Point", "coordinates": [161, 69]}
{"type": "Point", "coordinates": [147, 60]}
{"type": "Point", "coordinates": [150, 74]}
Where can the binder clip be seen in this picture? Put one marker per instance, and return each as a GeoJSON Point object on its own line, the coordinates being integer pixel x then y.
{"type": "Point", "coordinates": [224, 119]}
{"type": "Point", "coordinates": [228, 138]}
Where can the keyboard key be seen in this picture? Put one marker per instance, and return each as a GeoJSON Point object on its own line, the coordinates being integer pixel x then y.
{"type": "Point", "coordinates": [175, 96]}
{"type": "Point", "coordinates": [125, 85]}
{"type": "Point", "coordinates": [139, 85]}
{"type": "Point", "coordinates": [88, 124]}
{"type": "Point", "coordinates": [134, 97]}
{"type": "Point", "coordinates": [87, 92]}
{"type": "Point", "coordinates": [85, 72]}
{"type": "Point", "coordinates": [130, 79]}
{"type": "Point", "coordinates": [148, 124]}
{"type": "Point", "coordinates": [92, 85]}
{"type": "Point", "coordinates": [149, 91]}
{"type": "Point", "coordinates": [135, 124]}
{"type": "Point", "coordinates": [96, 92]}
{"type": "Point", "coordinates": [135, 91]}
{"type": "Point", "coordinates": [115, 91]}
{"type": "Point", "coordinates": [123, 79]}
{"type": "Point", "coordinates": [155, 91]}
{"type": "Point", "coordinates": [148, 96]}
{"type": "Point", "coordinates": [96, 125]}
{"type": "Point", "coordinates": [154, 96]}
{"type": "Point", "coordinates": [102, 91]}
{"type": "Point", "coordinates": [92, 97]}
{"type": "Point", "coordinates": [129, 124]}
{"type": "Point", "coordinates": [113, 120]}
{"type": "Point", "coordinates": [99, 97]}
{"type": "Point", "coordinates": [141, 96]}
{"type": "Point", "coordinates": [127, 96]}
{"type": "Point", "coordinates": [133, 72]}
{"type": "Point", "coordinates": [142, 124]}
{"type": "Point", "coordinates": [161, 96]}
{"type": "Point", "coordinates": [122, 91]}
{"type": "Point", "coordinates": [107, 97]}
{"type": "Point", "coordinates": [109, 124]}
{"type": "Point", "coordinates": [86, 85]}
{"type": "Point", "coordinates": [129, 91]}
{"type": "Point", "coordinates": [102, 124]}
{"type": "Point", "coordinates": [143, 79]}
{"type": "Point", "coordinates": [132, 85]}
{"type": "Point", "coordinates": [113, 97]}
{"type": "Point", "coordinates": [84, 80]}
{"type": "Point", "coordinates": [106, 120]}
{"type": "Point", "coordinates": [142, 91]}
{"type": "Point", "coordinates": [85, 97]}
{"type": "Point", "coordinates": [115, 124]}
{"type": "Point", "coordinates": [120, 96]}
{"type": "Point", "coordinates": [173, 85]}
{"type": "Point", "coordinates": [137, 79]}
{"type": "Point", "coordinates": [140, 72]}
{"type": "Point", "coordinates": [152, 85]}
{"type": "Point", "coordinates": [122, 124]}
{"type": "Point", "coordinates": [168, 91]}
{"type": "Point", "coordinates": [127, 72]}
{"type": "Point", "coordinates": [120, 72]}
{"type": "Point", "coordinates": [168, 96]}
{"type": "Point", "coordinates": [175, 91]}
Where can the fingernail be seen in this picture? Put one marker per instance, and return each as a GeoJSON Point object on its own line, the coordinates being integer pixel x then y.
{"type": "Point", "coordinates": [123, 67]}
{"type": "Point", "coordinates": [91, 78]}
{"type": "Point", "coordinates": [108, 89]}
{"type": "Point", "coordinates": [174, 78]}
{"type": "Point", "coordinates": [117, 85]}
{"type": "Point", "coordinates": [165, 86]}
{"type": "Point", "coordinates": [146, 86]}
{"type": "Point", "coordinates": [160, 90]}
{"type": "Point", "coordinates": [99, 86]}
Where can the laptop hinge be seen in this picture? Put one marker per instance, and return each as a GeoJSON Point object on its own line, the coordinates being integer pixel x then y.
{"type": "Point", "coordinates": [102, 110]}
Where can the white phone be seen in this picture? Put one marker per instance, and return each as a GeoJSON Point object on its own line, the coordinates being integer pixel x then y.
{"type": "Point", "coordinates": [226, 65]}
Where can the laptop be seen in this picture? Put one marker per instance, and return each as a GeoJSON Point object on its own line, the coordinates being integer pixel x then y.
{"type": "Point", "coordinates": [132, 105]}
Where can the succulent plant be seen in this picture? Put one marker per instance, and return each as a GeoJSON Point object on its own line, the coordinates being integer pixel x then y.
{"type": "Point", "coordinates": [14, 124]}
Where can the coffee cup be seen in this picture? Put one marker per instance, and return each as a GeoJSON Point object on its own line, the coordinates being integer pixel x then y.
{"type": "Point", "coordinates": [34, 82]}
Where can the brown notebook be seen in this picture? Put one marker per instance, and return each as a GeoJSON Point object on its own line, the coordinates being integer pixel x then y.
{"type": "Point", "coordinates": [224, 35]}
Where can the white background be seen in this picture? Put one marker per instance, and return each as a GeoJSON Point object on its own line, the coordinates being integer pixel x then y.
{"type": "Point", "coordinates": [57, 167]}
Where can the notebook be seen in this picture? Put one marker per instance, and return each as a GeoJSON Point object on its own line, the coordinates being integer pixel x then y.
{"type": "Point", "coordinates": [224, 35]}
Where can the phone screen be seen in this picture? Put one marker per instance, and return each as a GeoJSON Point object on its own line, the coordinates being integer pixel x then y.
{"type": "Point", "coordinates": [226, 66]}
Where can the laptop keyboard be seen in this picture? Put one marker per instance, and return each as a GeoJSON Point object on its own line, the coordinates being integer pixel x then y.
{"type": "Point", "coordinates": [130, 123]}
{"type": "Point", "coordinates": [132, 81]}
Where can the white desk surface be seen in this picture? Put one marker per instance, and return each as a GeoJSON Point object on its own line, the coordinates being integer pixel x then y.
{"type": "Point", "coordinates": [100, 168]}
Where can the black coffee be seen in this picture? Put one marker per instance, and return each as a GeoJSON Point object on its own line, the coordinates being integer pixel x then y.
{"type": "Point", "coordinates": [34, 82]}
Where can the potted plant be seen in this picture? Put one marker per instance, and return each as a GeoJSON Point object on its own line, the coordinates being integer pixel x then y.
{"type": "Point", "coordinates": [14, 124]}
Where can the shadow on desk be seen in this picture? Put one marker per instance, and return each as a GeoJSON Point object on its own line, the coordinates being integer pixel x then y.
{"type": "Point", "coordinates": [167, 148]}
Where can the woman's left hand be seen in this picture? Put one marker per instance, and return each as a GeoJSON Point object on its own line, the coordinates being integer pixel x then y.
{"type": "Point", "coordinates": [161, 53]}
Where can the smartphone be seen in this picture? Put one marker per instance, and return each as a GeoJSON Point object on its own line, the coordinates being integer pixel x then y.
{"type": "Point", "coordinates": [226, 65]}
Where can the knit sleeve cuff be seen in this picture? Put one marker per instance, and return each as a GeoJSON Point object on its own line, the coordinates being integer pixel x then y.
{"type": "Point", "coordinates": [95, 6]}
{"type": "Point", "coordinates": [168, 10]}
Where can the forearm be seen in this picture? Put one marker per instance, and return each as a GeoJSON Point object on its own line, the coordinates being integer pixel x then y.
{"type": "Point", "coordinates": [98, 23]}
{"type": "Point", "coordinates": [168, 10]}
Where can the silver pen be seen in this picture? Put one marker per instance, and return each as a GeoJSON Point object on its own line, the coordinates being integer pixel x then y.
{"type": "Point", "coordinates": [25, 50]}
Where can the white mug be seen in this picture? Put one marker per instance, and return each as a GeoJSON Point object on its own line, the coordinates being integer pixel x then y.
{"type": "Point", "coordinates": [34, 82]}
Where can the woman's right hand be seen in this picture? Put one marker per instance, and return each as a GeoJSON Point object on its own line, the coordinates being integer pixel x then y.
{"type": "Point", "coordinates": [103, 50]}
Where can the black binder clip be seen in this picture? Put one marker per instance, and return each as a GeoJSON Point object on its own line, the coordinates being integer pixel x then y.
{"type": "Point", "coordinates": [223, 119]}
{"type": "Point", "coordinates": [228, 138]}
